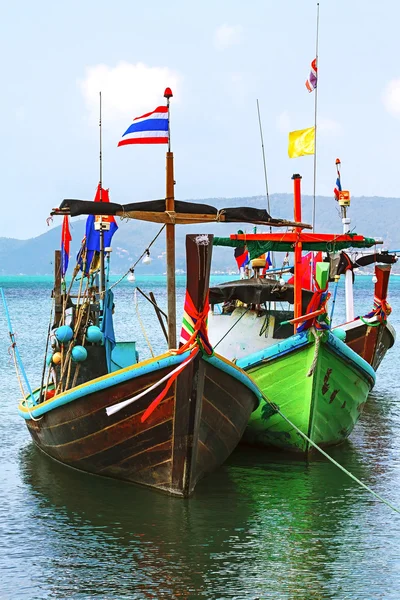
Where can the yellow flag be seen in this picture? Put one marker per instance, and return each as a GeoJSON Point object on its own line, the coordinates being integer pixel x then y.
{"type": "Point", "coordinates": [301, 142]}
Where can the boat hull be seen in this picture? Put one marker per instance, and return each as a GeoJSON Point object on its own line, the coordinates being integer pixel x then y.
{"type": "Point", "coordinates": [370, 340]}
{"type": "Point", "coordinates": [192, 431]}
{"type": "Point", "coordinates": [325, 406]}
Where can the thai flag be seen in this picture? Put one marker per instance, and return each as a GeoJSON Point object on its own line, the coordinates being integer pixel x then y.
{"type": "Point", "coordinates": [242, 256]}
{"type": "Point", "coordinates": [268, 261]}
{"type": "Point", "coordinates": [65, 242]}
{"type": "Point", "coordinates": [151, 128]}
{"type": "Point", "coordinates": [311, 82]}
{"type": "Point", "coordinates": [338, 186]}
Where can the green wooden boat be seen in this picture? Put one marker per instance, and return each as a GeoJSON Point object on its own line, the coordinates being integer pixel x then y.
{"type": "Point", "coordinates": [318, 383]}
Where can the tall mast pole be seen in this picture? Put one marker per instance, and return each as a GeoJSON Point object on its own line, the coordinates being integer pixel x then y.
{"type": "Point", "coordinates": [102, 282]}
{"type": "Point", "coordinates": [315, 120]}
{"type": "Point", "coordinates": [170, 235]}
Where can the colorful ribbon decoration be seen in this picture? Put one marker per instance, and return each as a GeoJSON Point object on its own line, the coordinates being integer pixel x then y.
{"type": "Point", "coordinates": [195, 338]}
{"type": "Point", "coordinates": [381, 310]}
{"type": "Point", "coordinates": [317, 304]}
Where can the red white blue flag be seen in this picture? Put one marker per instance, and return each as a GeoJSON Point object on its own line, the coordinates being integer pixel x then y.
{"type": "Point", "coordinates": [65, 242]}
{"type": "Point", "coordinates": [311, 82]}
{"type": "Point", "coordinates": [151, 128]}
{"type": "Point", "coordinates": [338, 186]}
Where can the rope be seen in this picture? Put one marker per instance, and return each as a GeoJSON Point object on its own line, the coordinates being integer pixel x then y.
{"type": "Point", "coordinates": [132, 268]}
{"type": "Point", "coordinates": [21, 387]}
{"type": "Point", "coordinates": [235, 323]}
{"type": "Point", "coordinates": [316, 351]}
{"type": "Point", "coordinates": [141, 324]}
{"type": "Point", "coordinates": [332, 460]}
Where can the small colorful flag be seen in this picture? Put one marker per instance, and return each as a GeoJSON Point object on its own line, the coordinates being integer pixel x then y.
{"type": "Point", "coordinates": [301, 142]}
{"type": "Point", "coordinates": [311, 82]}
{"type": "Point", "coordinates": [92, 236]}
{"type": "Point", "coordinates": [338, 186]}
{"type": "Point", "coordinates": [308, 262]}
{"type": "Point", "coordinates": [151, 128]}
{"type": "Point", "coordinates": [268, 261]}
{"type": "Point", "coordinates": [242, 256]}
{"type": "Point", "coordinates": [65, 242]}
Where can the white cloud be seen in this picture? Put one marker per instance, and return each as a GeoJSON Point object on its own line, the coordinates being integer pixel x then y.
{"type": "Point", "coordinates": [227, 35]}
{"type": "Point", "coordinates": [391, 97]}
{"type": "Point", "coordinates": [127, 89]}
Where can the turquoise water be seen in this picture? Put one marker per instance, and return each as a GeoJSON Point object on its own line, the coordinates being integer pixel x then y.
{"type": "Point", "coordinates": [263, 526]}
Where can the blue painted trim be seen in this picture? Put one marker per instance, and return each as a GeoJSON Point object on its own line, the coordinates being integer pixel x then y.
{"type": "Point", "coordinates": [344, 351]}
{"type": "Point", "coordinates": [103, 383]}
{"type": "Point", "coordinates": [279, 349]}
{"type": "Point", "coordinates": [299, 340]}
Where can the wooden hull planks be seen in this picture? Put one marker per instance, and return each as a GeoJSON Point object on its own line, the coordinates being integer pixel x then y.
{"type": "Point", "coordinates": [192, 431]}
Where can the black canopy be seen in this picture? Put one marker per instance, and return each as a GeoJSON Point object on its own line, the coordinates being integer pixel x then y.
{"type": "Point", "coordinates": [243, 214]}
{"type": "Point", "coordinates": [256, 291]}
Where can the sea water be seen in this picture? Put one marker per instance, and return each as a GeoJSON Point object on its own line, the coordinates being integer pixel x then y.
{"type": "Point", "coordinates": [265, 525]}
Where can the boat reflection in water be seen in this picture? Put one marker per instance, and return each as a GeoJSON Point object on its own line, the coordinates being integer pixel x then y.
{"type": "Point", "coordinates": [264, 525]}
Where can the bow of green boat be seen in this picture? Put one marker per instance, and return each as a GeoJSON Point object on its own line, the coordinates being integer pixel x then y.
{"type": "Point", "coordinates": [316, 382]}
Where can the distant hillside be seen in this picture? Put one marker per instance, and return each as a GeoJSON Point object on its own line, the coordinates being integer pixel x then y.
{"type": "Point", "coordinates": [375, 217]}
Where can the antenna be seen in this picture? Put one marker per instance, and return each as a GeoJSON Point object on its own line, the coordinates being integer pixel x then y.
{"type": "Point", "coordinates": [315, 120]}
{"type": "Point", "coordinates": [264, 162]}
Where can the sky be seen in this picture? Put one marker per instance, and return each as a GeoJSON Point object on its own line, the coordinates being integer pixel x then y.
{"type": "Point", "coordinates": [218, 57]}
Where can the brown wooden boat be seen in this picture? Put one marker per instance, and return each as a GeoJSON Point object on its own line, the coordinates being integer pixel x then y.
{"type": "Point", "coordinates": [372, 336]}
{"type": "Point", "coordinates": [187, 433]}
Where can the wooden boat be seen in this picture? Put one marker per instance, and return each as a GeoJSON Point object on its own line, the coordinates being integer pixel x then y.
{"type": "Point", "coordinates": [191, 431]}
{"type": "Point", "coordinates": [316, 381]}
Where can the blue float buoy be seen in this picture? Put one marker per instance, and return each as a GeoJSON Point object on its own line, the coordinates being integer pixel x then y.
{"type": "Point", "coordinates": [64, 334]}
{"type": "Point", "coordinates": [93, 334]}
{"type": "Point", "coordinates": [79, 354]}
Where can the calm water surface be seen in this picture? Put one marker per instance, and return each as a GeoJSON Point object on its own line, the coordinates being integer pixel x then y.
{"type": "Point", "coordinates": [263, 526]}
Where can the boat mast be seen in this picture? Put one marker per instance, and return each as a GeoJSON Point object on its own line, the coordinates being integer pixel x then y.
{"type": "Point", "coordinates": [170, 235]}
{"type": "Point", "coordinates": [344, 202]}
{"type": "Point", "coordinates": [298, 247]}
{"type": "Point", "coordinates": [102, 282]}
{"type": "Point", "coordinates": [315, 121]}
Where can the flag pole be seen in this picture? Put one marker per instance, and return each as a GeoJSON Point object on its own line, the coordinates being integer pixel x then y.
{"type": "Point", "coordinates": [102, 284]}
{"type": "Point", "coordinates": [170, 235]}
{"type": "Point", "coordinates": [315, 120]}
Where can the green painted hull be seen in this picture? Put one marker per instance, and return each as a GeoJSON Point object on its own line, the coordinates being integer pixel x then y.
{"type": "Point", "coordinates": [325, 406]}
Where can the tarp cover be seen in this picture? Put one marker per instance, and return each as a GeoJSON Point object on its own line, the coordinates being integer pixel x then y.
{"type": "Point", "coordinates": [256, 291]}
{"type": "Point", "coordinates": [243, 214]}
{"type": "Point", "coordinates": [257, 248]}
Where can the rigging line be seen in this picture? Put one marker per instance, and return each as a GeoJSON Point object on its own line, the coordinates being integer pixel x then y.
{"type": "Point", "coordinates": [264, 162]}
{"type": "Point", "coordinates": [235, 323]}
{"type": "Point", "coordinates": [332, 460]}
{"type": "Point", "coordinates": [131, 269]}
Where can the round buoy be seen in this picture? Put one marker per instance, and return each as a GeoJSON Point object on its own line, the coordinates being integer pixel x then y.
{"type": "Point", "coordinates": [79, 354]}
{"type": "Point", "coordinates": [93, 334]}
{"type": "Point", "coordinates": [64, 334]}
{"type": "Point", "coordinates": [340, 334]}
{"type": "Point", "coordinates": [56, 358]}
